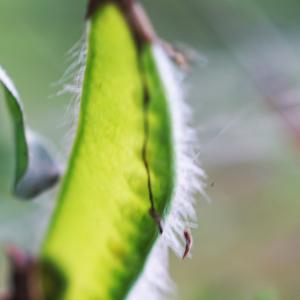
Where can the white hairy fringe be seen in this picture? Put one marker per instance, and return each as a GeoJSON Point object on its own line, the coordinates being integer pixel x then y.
{"type": "Point", "coordinates": [155, 282]}
{"type": "Point", "coordinates": [71, 82]}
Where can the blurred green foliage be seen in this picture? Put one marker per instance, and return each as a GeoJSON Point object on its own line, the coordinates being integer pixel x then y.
{"type": "Point", "coordinates": [267, 295]}
{"type": "Point", "coordinates": [249, 236]}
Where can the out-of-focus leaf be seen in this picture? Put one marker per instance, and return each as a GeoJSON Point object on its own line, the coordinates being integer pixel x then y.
{"type": "Point", "coordinates": [36, 170]}
{"type": "Point", "coordinates": [267, 295]}
{"type": "Point", "coordinates": [102, 231]}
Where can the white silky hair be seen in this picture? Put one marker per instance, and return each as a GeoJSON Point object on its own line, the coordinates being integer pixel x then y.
{"type": "Point", "coordinates": [72, 82]}
{"type": "Point", "coordinates": [154, 282]}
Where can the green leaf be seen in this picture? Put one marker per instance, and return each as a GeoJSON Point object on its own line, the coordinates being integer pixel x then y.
{"type": "Point", "coordinates": [101, 232]}
{"type": "Point", "coordinates": [36, 170]}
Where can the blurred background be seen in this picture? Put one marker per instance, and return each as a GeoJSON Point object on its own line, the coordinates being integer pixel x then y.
{"type": "Point", "coordinates": [245, 93]}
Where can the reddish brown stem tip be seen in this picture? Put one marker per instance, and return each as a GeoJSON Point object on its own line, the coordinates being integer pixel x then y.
{"type": "Point", "coordinates": [24, 277]}
{"type": "Point", "coordinates": [188, 243]}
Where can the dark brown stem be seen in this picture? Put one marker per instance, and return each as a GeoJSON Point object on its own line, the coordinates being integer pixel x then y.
{"type": "Point", "coordinates": [24, 278]}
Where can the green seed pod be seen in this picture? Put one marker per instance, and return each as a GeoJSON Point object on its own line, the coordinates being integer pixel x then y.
{"type": "Point", "coordinates": [129, 174]}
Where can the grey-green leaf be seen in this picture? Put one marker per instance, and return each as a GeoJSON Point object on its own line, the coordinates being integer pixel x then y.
{"type": "Point", "coordinates": [36, 169]}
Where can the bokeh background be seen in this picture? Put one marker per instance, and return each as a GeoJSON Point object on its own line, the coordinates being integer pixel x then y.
{"type": "Point", "coordinates": [244, 91]}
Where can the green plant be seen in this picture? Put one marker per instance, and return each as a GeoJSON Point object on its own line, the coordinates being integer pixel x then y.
{"type": "Point", "coordinates": [36, 169]}
{"type": "Point", "coordinates": [130, 173]}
